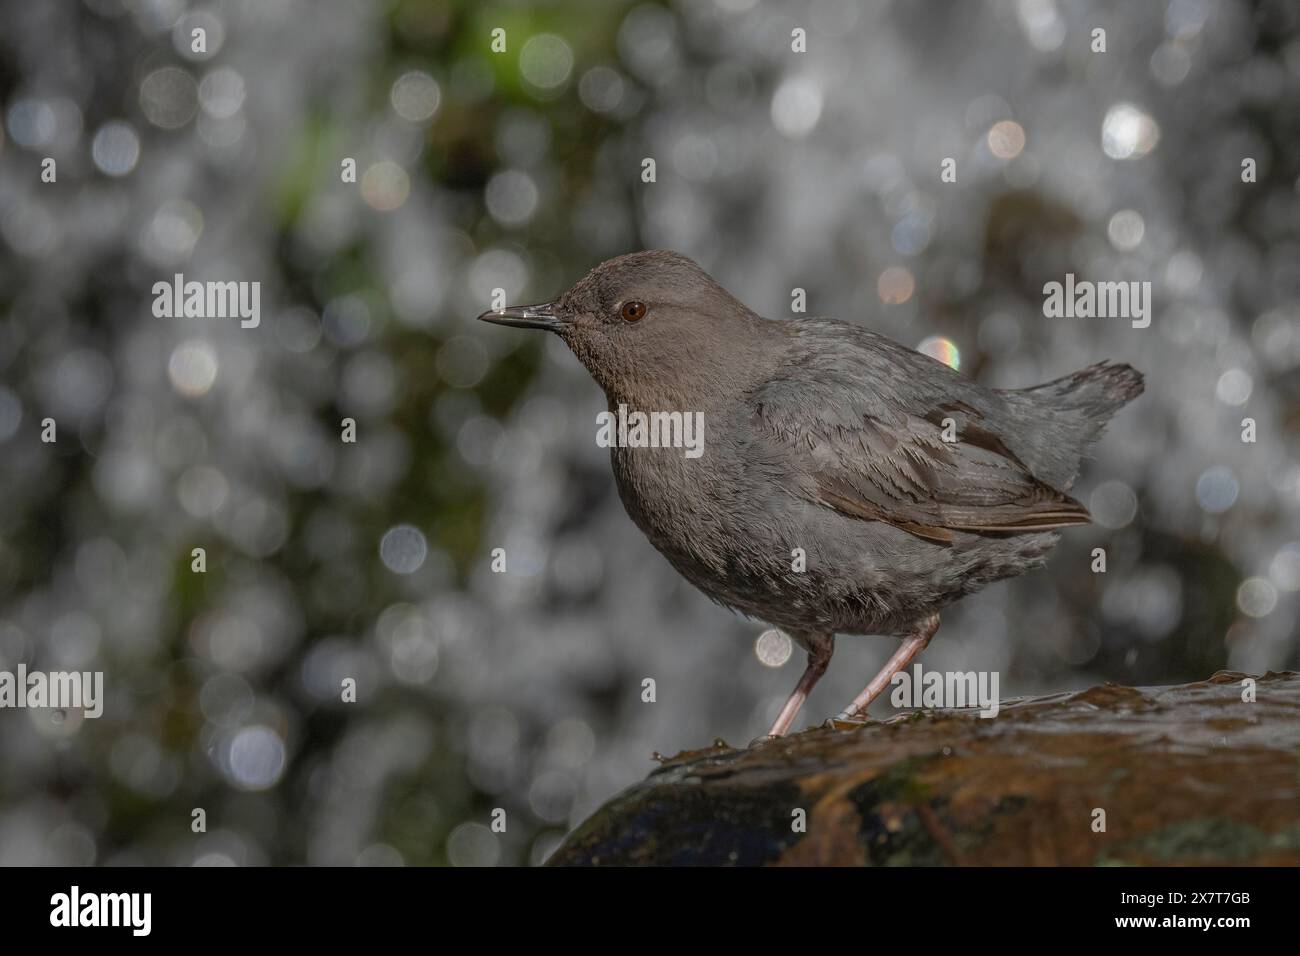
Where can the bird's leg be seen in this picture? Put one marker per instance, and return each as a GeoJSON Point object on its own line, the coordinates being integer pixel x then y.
{"type": "Point", "coordinates": [912, 645]}
{"type": "Point", "coordinates": [820, 647]}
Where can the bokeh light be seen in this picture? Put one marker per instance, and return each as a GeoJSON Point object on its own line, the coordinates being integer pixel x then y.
{"type": "Point", "coordinates": [1128, 133]}
{"type": "Point", "coordinates": [773, 648]}
{"type": "Point", "coordinates": [940, 348]}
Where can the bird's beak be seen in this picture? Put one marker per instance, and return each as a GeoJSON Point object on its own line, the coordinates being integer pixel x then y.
{"type": "Point", "coordinates": [544, 316]}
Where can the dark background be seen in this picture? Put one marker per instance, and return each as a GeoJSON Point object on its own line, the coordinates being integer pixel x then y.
{"type": "Point", "coordinates": [521, 170]}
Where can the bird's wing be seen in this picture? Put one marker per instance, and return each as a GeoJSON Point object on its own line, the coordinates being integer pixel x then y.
{"type": "Point", "coordinates": [864, 430]}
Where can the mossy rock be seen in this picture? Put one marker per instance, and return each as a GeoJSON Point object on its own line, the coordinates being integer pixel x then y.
{"type": "Point", "coordinates": [1186, 775]}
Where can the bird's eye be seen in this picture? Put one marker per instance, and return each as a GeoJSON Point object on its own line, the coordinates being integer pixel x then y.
{"type": "Point", "coordinates": [632, 311]}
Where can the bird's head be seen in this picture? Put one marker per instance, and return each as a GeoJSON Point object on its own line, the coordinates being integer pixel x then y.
{"type": "Point", "coordinates": [650, 327]}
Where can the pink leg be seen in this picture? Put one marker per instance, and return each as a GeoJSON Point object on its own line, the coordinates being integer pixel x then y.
{"type": "Point", "coordinates": [820, 647]}
{"type": "Point", "coordinates": [912, 645]}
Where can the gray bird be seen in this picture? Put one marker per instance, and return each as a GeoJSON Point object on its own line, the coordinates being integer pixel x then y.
{"type": "Point", "coordinates": [848, 485]}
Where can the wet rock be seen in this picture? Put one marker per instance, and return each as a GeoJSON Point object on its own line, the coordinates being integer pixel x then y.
{"type": "Point", "coordinates": [1190, 774]}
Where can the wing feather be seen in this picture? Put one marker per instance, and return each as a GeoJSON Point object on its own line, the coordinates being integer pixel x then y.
{"type": "Point", "coordinates": [881, 455]}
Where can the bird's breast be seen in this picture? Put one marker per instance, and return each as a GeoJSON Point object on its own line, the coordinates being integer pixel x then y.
{"type": "Point", "coordinates": [680, 503]}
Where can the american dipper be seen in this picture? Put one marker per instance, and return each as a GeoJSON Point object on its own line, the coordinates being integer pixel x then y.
{"type": "Point", "coordinates": [848, 485]}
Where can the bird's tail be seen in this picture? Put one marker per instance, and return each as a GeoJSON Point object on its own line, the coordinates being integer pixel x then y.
{"type": "Point", "coordinates": [1099, 390]}
{"type": "Point", "coordinates": [1073, 412]}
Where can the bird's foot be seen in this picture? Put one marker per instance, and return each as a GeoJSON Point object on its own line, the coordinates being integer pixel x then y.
{"type": "Point", "coordinates": [845, 722]}
{"type": "Point", "coordinates": [763, 740]}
